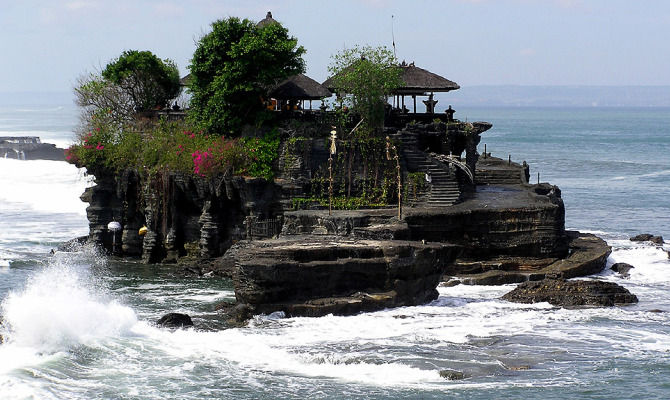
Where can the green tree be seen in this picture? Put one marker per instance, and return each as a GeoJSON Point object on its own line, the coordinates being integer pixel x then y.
{"type": "Point", "coordinates": [146, 79]}
{"type": "Point", "coordinates": [102, 99]}
{"type": "Point", "coordinates": [234, 67]}
{"type": "Point", "coordinates": [364, 77]}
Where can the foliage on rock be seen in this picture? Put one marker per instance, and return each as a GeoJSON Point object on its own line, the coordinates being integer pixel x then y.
{"type": "Point", "coordinates": [364, 77]}
{"type": "Point", "coordinates": [147, 80]}
{"type": "Point", "coordinates": [234, 67]}
{"type": "Point", "coordinates": [136, 81]}
{"type": "Point", "coordinates": [172, 146]}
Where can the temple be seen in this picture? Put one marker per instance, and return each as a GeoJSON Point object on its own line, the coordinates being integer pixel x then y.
{"type": "Point", "coordinates": [453, 214]}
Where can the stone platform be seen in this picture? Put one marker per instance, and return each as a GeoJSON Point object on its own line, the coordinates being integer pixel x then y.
{"type": "Point", "coordinates": [314, 276]}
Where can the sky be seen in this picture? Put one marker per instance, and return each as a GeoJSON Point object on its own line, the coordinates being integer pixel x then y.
{"type": "Point", "coordinates": [46, 44]}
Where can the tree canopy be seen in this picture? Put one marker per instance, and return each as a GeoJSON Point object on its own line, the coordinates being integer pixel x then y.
{"type": "Point", "coordinates": [147, 80]}
{"type": "Point", "coordinates": [364, 77]}
{"type": "Point", "coordinates": [234, 67]}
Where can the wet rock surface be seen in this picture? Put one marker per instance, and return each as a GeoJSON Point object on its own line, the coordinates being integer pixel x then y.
{"type": "Point", "coordinates": [647, 237]}
{"type": "Point", "coordinates": [587, 255]}
{"type": "Point", "coordinates": [175, 320]}
{"type": "Point", "coordinates": [571, 293]}
{"type": "Point", "coordinates": [451, 375]}
{"type": "Point", "coordinates": [622, 268]}
{"type": "Point", "coordinates": [313, 277]}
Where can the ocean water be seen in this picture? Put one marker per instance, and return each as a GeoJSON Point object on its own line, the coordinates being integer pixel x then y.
{"type": "Point", "coordinates": [80, 326]}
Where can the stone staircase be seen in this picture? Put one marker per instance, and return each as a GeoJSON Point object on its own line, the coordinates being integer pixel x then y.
{"type": "Point", "coordinates": [496, 171]}
{"type": "Point", "coordinates": [444, 189]}
{"type": "Point", "coordinates": [289, 191]}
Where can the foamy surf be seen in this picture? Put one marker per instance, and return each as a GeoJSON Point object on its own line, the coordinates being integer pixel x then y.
{"type": "Point", "coordinates": [62, 306]}
{"type": "Point", "coordinates": [40, 185]}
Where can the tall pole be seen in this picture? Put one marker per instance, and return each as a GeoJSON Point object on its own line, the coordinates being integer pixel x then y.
{"type": "Point", "coordinates": [333, 149]}
{"type": "Point", "coordinates": [395, 157]}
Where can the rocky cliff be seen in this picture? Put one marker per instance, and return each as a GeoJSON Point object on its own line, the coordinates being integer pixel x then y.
{"type": "Point", "coordinates": [184, 214]}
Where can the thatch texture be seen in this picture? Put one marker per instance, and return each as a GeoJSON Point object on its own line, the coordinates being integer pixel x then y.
{"type": "Point", "coordinates": [415, 81]}
{"type": "Point", "coordinates": [267, 20]}
{"type": "Point", "coordinates": [299, 87]}
{"type": "Point", "coordinates": [419, 81]}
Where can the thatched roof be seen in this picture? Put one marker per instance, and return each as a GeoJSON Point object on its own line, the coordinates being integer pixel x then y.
{"type": "Point", "coordinates": [299, 87]}
{"type": "Point", "coordinates": [419, 81]}
{"type": "Point", "coordinates": [415, 81]}
{"type": "Point", "coordinates": [267, 20]}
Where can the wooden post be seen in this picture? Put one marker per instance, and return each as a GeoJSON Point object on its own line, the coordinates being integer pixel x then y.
{"type": "Point", "coordinates": [509, 159]}
{"type": "Point", "coordinates": [538, 178]}
{"type": "Point", "coordinates": [484, 150]}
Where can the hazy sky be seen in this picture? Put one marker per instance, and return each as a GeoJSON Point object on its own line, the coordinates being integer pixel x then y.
{"type": "Point", "coordinates": [46, 44]}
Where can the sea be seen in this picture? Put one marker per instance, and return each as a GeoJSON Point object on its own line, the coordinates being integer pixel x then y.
{"type": "Point", "coordinates": [80, 325]}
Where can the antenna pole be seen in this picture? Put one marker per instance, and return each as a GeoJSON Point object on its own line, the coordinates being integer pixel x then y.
{"type": "Point", "coordinates": [393, 36]}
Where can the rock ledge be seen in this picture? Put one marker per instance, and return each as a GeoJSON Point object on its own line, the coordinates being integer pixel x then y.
{"type": "Point", "coordinates": [564, 293]}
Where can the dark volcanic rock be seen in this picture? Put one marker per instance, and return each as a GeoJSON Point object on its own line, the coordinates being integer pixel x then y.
{"type": "Point", "coordinates": [647, 237]}
{"type": "Point", "coordinates": [29, 148]}
{"type": "Point", "coordinates": [307, 276]}
{"type": "Point", "coordinates": [451, 375]}
{"type": "Point", "coordinates": [73, 244]}
{"type": "Point", "coordinates": [587, 255]}
{"type": "Point", "coordinates": [175, 320]}
{"type": "Point", "coordinates": [621, 268]}
{"type": "Point", "coordinates": [560, 292]}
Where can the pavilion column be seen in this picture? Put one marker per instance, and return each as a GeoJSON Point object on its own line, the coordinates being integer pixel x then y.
{"type": "Point", "coordinates": [414, 98]}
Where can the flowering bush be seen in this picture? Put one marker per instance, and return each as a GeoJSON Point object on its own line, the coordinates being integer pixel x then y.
{"type": "Point", "coordinates": [173, 146]}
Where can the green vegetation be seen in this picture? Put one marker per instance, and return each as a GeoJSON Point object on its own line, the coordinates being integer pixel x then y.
{"type": "Point", "coordinates": [173, 146]}
{"type": "Point", "coordinates": [147, 80]}
{"type": "Point", "coordinates": [339, 203]}
{"type": "Point", "coordinates": [367, 75]}
{"type": "Point", "coordinates": [114, 136]}
{"type": "Point", "coordinates": [136, 81]}
{"type": "Point", "coordinates": [233, 68]}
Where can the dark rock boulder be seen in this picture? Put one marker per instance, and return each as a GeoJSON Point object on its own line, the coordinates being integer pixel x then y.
{"type": "Point", "coordinates": [174, 320]}
{"type": "Point", "coordinates": [647, 237]}
{"type": "Point", "coordinates": [564, 293]}
{"type": "Point", "coordinates": [621, 268]}
{"type": "Point", "coordinates": [72, 244]}
{"type": "Point", "coordinates": [451, 375]}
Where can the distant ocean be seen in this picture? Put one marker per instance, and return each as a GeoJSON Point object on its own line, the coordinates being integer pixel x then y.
{"type": "Point", "coordinates": [79, 326]}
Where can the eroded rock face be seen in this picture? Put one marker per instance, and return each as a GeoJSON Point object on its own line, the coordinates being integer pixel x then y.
{"type": "Point", "coordinates": [564, 293]}
{"type": "Point", "coordinates": [182, 212]}
{"type": "Point", "coordinates": [311, 277]}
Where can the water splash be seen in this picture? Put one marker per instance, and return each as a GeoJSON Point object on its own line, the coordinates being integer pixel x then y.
{"type": "Point", "coordinates": [62, 306]}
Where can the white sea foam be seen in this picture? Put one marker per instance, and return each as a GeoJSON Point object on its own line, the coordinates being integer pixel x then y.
{"type": "Point", "coordinates": [49, 186]}
{"type": "Point", "coordinates": [61, 307]}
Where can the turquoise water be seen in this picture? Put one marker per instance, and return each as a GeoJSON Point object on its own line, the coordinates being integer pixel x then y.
{"type": "Point", "coordinates": [79, 325]}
